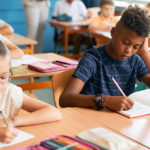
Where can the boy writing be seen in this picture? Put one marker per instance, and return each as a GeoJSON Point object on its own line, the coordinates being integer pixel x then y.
{"type": "Point", "coordinates": [92, 85]}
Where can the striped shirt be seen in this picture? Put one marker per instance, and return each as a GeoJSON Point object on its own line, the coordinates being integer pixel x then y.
{"type": "Point", "coordinates": [97, 68]}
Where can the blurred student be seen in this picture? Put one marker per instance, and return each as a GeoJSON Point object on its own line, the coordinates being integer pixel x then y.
{"type": "Point", "coordinates": [5, 28]}
{"type": "Point", "coordinates": [148, 8]}
{"type": "Point", "coordinates": [106, 20]}
{"type": "Point", "coordinates": [76, 10]}
{"type": "Point", "coordinates": [36, 13]}
{"type": "Point", "coordinates": [15, 51]}
{"type": "Point", "coordinates": [73, 8]}
{"type": "Point", "coordinates": [12, 99]}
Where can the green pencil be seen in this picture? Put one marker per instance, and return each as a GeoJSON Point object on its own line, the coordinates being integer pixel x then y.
{"type": "Point", "coordinates": [4, 119]}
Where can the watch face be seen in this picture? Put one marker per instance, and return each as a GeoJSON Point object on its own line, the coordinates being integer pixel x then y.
{"type": "Point", "coordinates": [98, 98]}
{"type": "Point", "coordinates": [98, 101]}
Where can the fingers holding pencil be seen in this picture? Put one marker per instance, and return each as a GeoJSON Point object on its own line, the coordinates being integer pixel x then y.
{"type": "Point", "coordinates": [128, 103]}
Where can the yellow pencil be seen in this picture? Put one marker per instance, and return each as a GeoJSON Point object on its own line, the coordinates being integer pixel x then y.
{"type": "Point", "coordinates": [118, 87]}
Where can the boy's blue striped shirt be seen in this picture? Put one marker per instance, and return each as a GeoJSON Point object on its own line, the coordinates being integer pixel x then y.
{"type": "Point", "coordinates": [97, 68]}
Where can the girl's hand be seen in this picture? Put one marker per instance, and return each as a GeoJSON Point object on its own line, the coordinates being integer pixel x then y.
{"type": "Point", "coordinates": [117, 103]}
{"type": "Point", "coordinates": [7, 134]}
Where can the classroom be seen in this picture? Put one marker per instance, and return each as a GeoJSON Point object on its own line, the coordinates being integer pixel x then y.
{"type": "Point", "coordinates": [74, 75]}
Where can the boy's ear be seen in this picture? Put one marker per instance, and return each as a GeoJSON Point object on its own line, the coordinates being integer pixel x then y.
{"type": "Point", "coordinates": [113, 30]}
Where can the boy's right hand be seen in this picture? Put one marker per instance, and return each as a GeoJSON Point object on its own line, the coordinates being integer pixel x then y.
{"type": "Point", "coordinates": [117, 103]}
{"type": "Point", "coordinates": [7, 134]}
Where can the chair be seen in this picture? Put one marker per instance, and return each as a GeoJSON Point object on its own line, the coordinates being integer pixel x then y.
{"type": "Point", "coordinates": [59, 82]}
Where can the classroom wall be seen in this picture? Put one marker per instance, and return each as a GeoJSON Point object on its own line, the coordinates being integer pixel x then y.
{"type": "Point", "coordinates": [12, 12]}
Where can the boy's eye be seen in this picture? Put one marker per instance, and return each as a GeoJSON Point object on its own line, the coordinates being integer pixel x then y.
{"type": "Point", "coordinates": [126, 42]}
{"type": "Point", "coordinates": [136, 46]}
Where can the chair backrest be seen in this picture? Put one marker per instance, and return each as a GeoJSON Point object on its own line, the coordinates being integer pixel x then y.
{"type": "Point", "coordinates": [59, 82]}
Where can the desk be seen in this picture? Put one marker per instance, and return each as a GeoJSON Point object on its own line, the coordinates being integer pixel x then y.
{"type": "Point", "coordinates": [21, 40]}
{"type": "Point", "coordinates": [31, 74]}
{"type": "Point", "coordinates": [101, 37]}
{"type": "Point", "coordinates": [137, 129]}
{"type": "Point", "coordinates": [104, 37]}
{"type": "Point", "coordinates": [67, 27]}
{"type": "Point", "coordinates": [72, 123]}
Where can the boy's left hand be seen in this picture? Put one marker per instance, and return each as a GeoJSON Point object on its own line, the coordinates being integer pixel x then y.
{"type": "Point", "coordinates": [143, 48]}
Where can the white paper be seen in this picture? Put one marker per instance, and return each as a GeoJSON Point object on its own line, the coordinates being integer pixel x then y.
{"type": "Point", "coordinates": [22, 136]}
{"type": "Point", "coordinates": [106, 139]}
{"type": "Point", "coordinates": [142, 97]}
{"type": "Point", "coordinates": [137, 110]}
{"type": "Point", "coordinates": [25, 60]}
{"type": "Point", "coordinates": [105, 34]}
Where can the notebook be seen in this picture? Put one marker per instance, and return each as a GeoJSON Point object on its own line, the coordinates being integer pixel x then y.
{"type": "Point", "coordinates": [45, 66]}
{"type": "Point", "coordinates": [141, 104]}
{"type": "Point", "coordinates": [106, 139]}
{"type": "Point", "coordinates": [22, 136]}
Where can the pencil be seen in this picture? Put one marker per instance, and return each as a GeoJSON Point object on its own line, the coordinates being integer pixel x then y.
{"type": "Point", "coordinates": [4, 119]}
{"type": "Point", "coordinates": [68, 146]}
{"type": "Point", "coordinates": [118, 86]}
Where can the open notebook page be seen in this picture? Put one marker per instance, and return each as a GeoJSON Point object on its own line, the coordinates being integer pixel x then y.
{"type": "Point", "coordinates": [137, 110]}
{"type": "Point", "coordinates": [142, 97]}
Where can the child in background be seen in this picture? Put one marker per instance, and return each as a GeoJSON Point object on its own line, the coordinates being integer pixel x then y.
{"type": "Point", "coordinates": [12, 99]}
{"type": "Point", "coordinates": [105, 21]}
{"type": "Point", "coordinates": [15, 51]}
{"type": "Point", "coordinates": [148, 8]}
{"type": "Point", "coordinates": [5, 28]}
{"type": "Point", "coordinates": [92, 86]}
{"type": "Point", "coordinates": [77, 11]}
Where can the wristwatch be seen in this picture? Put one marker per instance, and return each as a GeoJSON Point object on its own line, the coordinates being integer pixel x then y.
{"type": "Point", "coordinates": [98, 99]}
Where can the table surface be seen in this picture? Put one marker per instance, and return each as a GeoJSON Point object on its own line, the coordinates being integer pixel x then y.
{"type": "Point", "coordinates": [73, 122]}
{"type": "Point", "coordinates": [137, 129]}
{"type": "Point", "coordinates": [64, 24]}
{"type": "Point", "coordinates": [20, 40]}
{"type": "Point", "coordinates": [31, 73]}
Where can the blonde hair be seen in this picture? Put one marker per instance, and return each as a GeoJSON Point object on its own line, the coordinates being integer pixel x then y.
{"type": "Point", "coordinates": [4, 50]}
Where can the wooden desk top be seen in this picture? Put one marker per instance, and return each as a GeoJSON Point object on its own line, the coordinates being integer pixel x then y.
{"type": "Point", "coordinates": [61, 24]}
{"type": "Point", "coordinates": [72, 123]}
{"type": "Point", "coordinates": [20, 40]}
{"type": "Point", "coordinates": [99, 34]}
{"type": "Point", "coordinates": [31, 73]}
{"type": "Point", "coordinates": [137, 129]}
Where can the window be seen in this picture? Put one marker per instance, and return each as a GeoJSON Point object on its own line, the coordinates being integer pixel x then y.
{"type": "Point", "coordinates": [125, 3]}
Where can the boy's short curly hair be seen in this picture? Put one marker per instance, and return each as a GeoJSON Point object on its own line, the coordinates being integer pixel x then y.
{"type": "Point", "coordinates": [136, 19]}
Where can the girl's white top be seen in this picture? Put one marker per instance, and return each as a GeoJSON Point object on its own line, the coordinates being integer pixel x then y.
{"type": "Point", "coordinates": [11, 100]}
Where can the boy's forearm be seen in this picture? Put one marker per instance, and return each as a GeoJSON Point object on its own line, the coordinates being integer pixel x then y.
{"type": "Point", "coordinates": [77, 100]}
